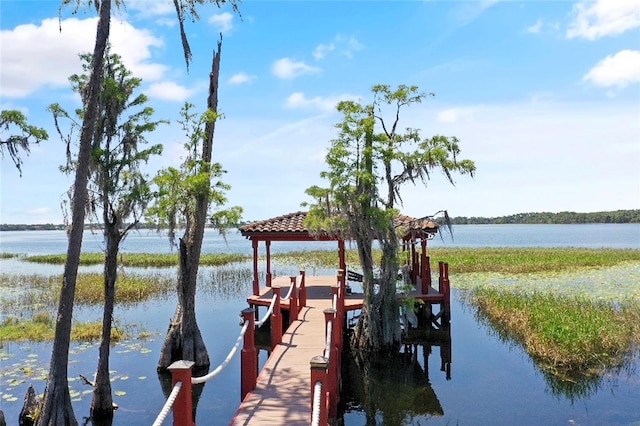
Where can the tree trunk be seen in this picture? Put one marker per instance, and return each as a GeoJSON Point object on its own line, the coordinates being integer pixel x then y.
{"type": "Point", "coordinates": [184, 340]}
{"type": "Point", "coordinates": [102, 402]}
{"type": "Point", "coordinates": [57, 408]}
{"type": "Point", "coordinates": [378, 329]}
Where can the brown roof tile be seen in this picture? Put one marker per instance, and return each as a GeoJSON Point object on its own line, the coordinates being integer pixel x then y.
{"type": "Point", "coordinates": [293, 224]}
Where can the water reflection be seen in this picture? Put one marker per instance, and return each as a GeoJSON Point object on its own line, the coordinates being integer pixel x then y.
{"type": "Point", "coordinates": [395, 390]}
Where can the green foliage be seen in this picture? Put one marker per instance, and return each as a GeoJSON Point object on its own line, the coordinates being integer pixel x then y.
{"type": "Point", "coordinates": [117, 187]}
{"type": "Point", "coordinates": [617, 216]}
{"type": "Point", "coordinates": [371, 159]}
{"type": "Point", "coordinates": [179, 189]}
{"type": "Point", "coordinates": [21, 135]}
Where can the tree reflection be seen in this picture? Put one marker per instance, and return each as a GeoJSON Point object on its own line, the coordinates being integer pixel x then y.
{"type": "Point", "coordinates": [395, 389]}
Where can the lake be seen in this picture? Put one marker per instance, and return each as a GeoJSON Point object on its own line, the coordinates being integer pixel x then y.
{"type": "Point", "coordinates": [491, 382]}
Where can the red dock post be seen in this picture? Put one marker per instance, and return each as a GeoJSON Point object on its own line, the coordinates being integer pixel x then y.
{"type": "Point", "coordinates": [293, 301]}
{"type": "Point", "coordinates": [248, 356]}
{"type": "Point", "coordinates": [182, 407]}
{"type": "Point", "coordinates": [303, 290]}
{"type": "Point", "coordinates": [276, 319]}
{"type": "Point", "coordinates": [319, 366]}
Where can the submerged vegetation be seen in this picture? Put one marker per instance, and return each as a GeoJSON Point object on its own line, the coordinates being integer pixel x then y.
{"type": "Point", "coordinates": [565, 335]}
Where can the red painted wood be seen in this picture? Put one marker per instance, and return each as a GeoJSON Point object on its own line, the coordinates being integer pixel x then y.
{"type": "Point", "coordinates": [182, 407]}
{"type": "Point", "coordinates": [248, 356]}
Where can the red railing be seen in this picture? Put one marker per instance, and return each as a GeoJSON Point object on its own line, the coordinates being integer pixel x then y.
{"type": "Point", "coordinates": [180, 397]}
{"type": "Point", "coordinates": [325, 368]}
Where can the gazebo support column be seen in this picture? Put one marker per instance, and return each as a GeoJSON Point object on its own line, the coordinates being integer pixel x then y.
{"type": "Point", "coordinates": [256, 281]}
{"type": "Point", "coordinates": [268, 246]}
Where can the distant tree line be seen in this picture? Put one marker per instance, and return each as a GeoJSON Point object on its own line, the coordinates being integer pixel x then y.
{"type": "Point", "coordinates": [617, 216]}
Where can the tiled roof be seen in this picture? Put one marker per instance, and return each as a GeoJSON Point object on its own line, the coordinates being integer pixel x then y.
{"type": "Point", "coordinates": [288, 223]}
{"type": "Point", "coordinates": [293, 224]}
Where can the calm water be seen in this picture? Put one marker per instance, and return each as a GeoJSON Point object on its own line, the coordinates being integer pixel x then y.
{"type": "Point", "coordinates": [491, 382]}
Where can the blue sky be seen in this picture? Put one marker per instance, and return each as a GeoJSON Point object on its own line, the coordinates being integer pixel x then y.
{"type": "Point", "coordinates": [543, 95]}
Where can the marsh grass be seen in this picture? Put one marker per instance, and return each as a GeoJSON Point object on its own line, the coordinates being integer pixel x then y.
{"type": "Point", "coordinates": [23, 295]}
{"type": "Point", "coordinates": [143, 260]}
{"type": "Point", "coordinates": [563, 334]}
{"type": "Point", "coordinates": [521, 260]}
{"type": "Point", "coordinates": [41, 327]}
{"type": "Point", "coordinates": [507, 260]}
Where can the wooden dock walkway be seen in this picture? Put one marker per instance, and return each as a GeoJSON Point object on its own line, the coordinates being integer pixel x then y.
{"type": "Point", "coordinates": [283, 392]}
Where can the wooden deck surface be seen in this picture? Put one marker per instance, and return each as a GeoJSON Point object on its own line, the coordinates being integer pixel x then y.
{"type": "Point", "coordinates": [283, 392]}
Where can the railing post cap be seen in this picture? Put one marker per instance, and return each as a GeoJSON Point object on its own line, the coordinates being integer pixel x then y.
{"type": "Point", "coordinates": [329, 311]}
{"type": "Point", "coordinates": [248, 311]}
{"type": "Point", "coordinates": [181, 365]}
{"type": "Point", "coordinates": [319, 361]}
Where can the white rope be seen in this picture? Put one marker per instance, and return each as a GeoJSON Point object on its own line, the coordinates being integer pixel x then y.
{"type": "Point", "coordinates": [167, 405]}
{"type": "Point", "coordinates": [269, 312]}
{"type": "Point", "coordinates": [288, 294]}
{"type": "Point", "coordinates": [335, 301]}
{"type": "Point", "coordinates": [327, 350]}
{"type": "Point", "coordinates": [214, 373]}
{"type": "Point", "coordinates": [317, 399]}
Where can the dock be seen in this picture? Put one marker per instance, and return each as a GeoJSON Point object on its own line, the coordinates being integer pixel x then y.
{"type": "Point", "coordinates": [282, 394]}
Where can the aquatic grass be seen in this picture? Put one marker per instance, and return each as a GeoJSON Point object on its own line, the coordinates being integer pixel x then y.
{"type": "Point", "coordinates": [41, 327]}
{"type": "Point", "coordinates": [521, 260]}
{"type": "Point", "coordinates": [144, 260]}
{"type": "Point", "coordinates": [22, 295]}
{"type": "Point", "coordinates": [563, 334]}
{"type": "Point", "coordinates": [130, 288]}
{"type": "Point", "coordinates": [4, 255]}
{"type": "Point", "coordinates": [508, 260]}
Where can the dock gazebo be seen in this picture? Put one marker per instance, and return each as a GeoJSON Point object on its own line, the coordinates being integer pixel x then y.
{"type": "Point", "coordinates": [291, 227]}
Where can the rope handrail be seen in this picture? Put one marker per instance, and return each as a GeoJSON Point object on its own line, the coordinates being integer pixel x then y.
{"type": "Point", "coordinates": [207, 377]}
{"type": "Point", "coordinates": [168, 404]}
{"type": "Point", "coordinates": [317, 398]}
{"type": "Point", "coordinates": [327, 349]}
{"type": "Point", "coordinates": [289, 293]}
{"type": "Point", "coordinates": [335, 301]}
{"type": "Point", "coordinates": [267, 315]}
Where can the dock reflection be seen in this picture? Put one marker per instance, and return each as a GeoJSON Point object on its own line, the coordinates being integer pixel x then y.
{"type": "Point", "coordinates": [394, 389]}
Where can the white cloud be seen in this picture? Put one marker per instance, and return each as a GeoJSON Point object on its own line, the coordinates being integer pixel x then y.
{"type": "Point", "coordinates": [321, 50]}
{"type": "Point", "coordinates": [592, 20]}
{"type": "Point", "coordinates": [34, 56]}
{"type": "Point", "coordinates": [618, 71]}
{"type": "Point", "coordinates": [327, 103]}
{"type": "Point", "coordinates": [169, 90]}
{"type": "Point", "coordinates": [535, 28]}
{"type": "Point", "coordinates": [241, 78]}
{"type": "Point", "coordinates": [288, 69]}
{"type": "Point", "coordinates": [222, 21]}
{"type": "Point", "coordinates": [454, 115]}
{"type": "Point", "coordinates": [134, 46]}
{"type": "Point", "coordinates": [347, 45]}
